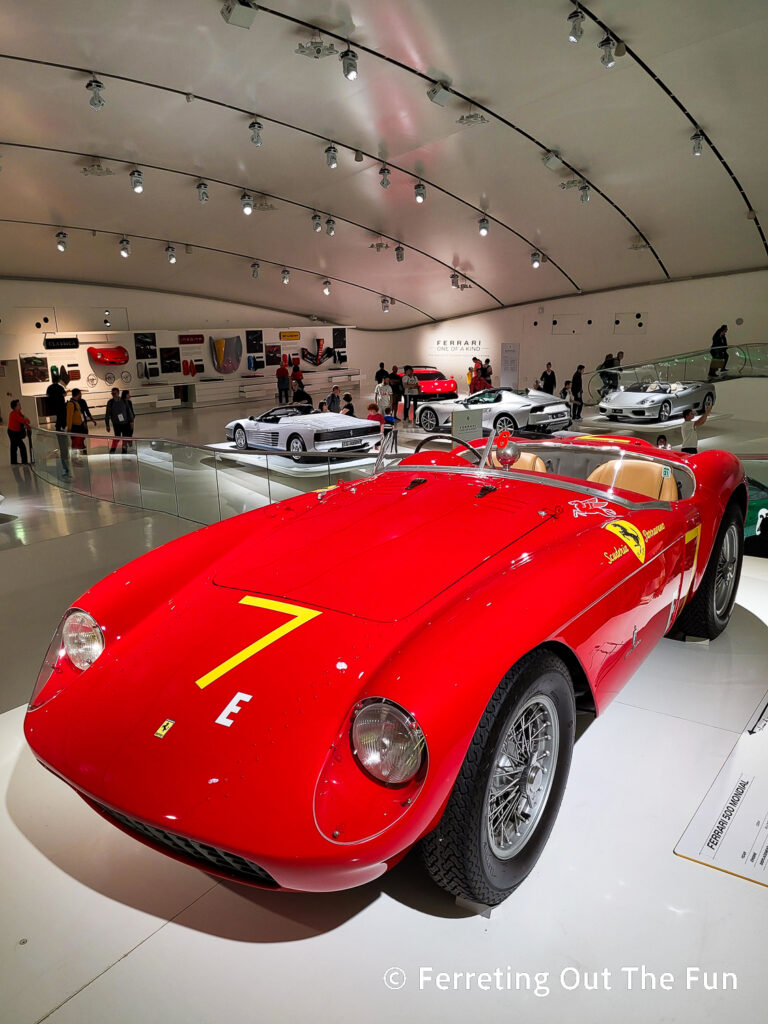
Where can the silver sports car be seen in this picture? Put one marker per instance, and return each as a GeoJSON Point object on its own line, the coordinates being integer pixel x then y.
{"type": "Point", "coordinates": [297, 429]}
{"type": "Point", "coordinates": [657, 400]}
{"type": "Point", "coordinates": [503, 409]}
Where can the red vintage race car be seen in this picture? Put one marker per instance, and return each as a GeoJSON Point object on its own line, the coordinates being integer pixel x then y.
{"type": "Point", "coordinates": [304, 732]}
{"type": "Point", "coordinates": [433, 384]}
{"type": "Point", "coordinates": [108, 355]}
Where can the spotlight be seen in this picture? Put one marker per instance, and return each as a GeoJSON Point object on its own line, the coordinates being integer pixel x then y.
{"type": "Point", "coordinates": [254, 269]}
{"type": "Point", "coordinates": [698, 141]}
{"type": "Point", "coordinates": [256, 128]}
{"type": "Point", "coordinates": [202, 191]}
{"type": "Point", "coordinates": [399, 253]}
{"type": "Point", "coordinates": [317, 223]}
{"type": "Point", "coordinates": [246, 201]}
{"type": "Point", "coordinates": [575, 25]}
{"type": "Point", "coordinates": [125, 248]}
{"type": "Point", "coordinates": [95, 88]}
{"type": "Point", "coordinates": [170, 252]}
{"type": "Point", "coordinates": [420, 192]}
{"type": "Point", "coordinates": [332, 156]}
{"type": "Point", "coordinates": [358, 156]}
{"type": "Point", "coordinates": [316, 49]}
{"type": "Point", "coordinates": [384, 304]}
{"type": "Point", "coordinates": [536, 260]}
{"type": "Point", "coordinates": [286, 275]}
{"type": "Point", "coordinates": [384, 173]}
{"type": "Point", "coordinates": [483, 226]}
{"type": "Point", "coordinates": [330, 227]}
{"type": "Point", "coordinates": [61, 241]}
{"type": "Point", "coordinates": [584, 192]}
{"type": "Point", "coordinates": [107, 322]}
{"type": "Point", "coordinates": [137, 181]}
{"type": "Point", "coordinates": [454, 280]}
{"type": "Point", "coordinates": [608, 59]}
{"type": "Point", "coordinates": [349, 64]}
{"type": "Point", "coordinates": [326, 287]}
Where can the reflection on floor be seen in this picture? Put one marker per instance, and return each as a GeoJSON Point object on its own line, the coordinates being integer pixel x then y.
{"type": "Point", "coordinates": [97, 928]}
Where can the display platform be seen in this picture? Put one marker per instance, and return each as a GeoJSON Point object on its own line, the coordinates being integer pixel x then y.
{"type": "Point", "coordinates": [285, 464]}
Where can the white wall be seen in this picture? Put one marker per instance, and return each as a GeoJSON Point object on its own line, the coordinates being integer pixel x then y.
{"type": "Point", "coordinates": [675, 317]}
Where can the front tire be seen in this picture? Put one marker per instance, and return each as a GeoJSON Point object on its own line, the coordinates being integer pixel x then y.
{"type": "Point", "coordinates": [508, 792]}
{"type": "Point", "coordinates": [241, 441]}
{"type": "Point", "coordinates": [664, 412]}
{"type": "Point", "coordinates": [428, 420]}
{"type": "Point", "coordinates": [709, 401]}
{"type": "Point", "coordinates": [296, 447]}
{"type": "Point", "coordinates": [709, 612]}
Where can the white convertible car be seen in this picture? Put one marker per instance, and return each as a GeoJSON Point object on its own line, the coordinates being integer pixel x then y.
{"type": "Point", "coordinates": [503, 409]}
{"type": "Point", "coordinates": [658, 400]}
{"type": "Point", "coordinates": [297, 429]}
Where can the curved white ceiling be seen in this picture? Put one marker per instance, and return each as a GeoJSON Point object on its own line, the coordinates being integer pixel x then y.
{"type": "Point", "coordinates": [655, 211]}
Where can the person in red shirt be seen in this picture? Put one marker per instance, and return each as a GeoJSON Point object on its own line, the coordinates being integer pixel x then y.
{"type": "Point", "coordinates": [479, 383]}
{"type": "Point", "coordinates": [18, 425]}
{"type": "Point", "coordinates": [283, 383]}
{"type": "Point", "coordinates": [374, 414]}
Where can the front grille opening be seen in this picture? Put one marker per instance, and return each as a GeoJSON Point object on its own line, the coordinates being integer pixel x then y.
{"type": "Point", "coordinates": [205, 856]}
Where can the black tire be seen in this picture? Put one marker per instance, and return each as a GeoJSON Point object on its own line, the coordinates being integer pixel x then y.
{"type": "Point", "coordinates": [710, 610]}
{"type": "Point", "coordinates": [459, 853]}
{"type": "Point", "coordinates": [665, 410]}
{"type": "Point", "coordinates": [241, 441]}
{"type": "Point", "coordinates": [505, 422]}
{"type": "Point", "coordinates": [296, 447]}
{"type": "Point", "coordinates": [709, 401]}
{"type": "Point", "coordinates": [428, 420]}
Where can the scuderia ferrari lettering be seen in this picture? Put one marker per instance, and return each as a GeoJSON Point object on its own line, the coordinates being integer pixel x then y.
{"type": "Point", "coordinates": [634, 539]}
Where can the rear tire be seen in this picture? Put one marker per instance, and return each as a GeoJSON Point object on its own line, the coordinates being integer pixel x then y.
{"type": "Point", "coordinates": [508, 791]}
{"type": "Point", "coordinates": [709, 612]}
{"type": "Point", "coordinates": [504, 422]}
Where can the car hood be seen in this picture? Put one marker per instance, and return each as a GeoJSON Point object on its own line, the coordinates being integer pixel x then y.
{"type": "Point", "coordinates": [340, 551]}
{"type": "Point", "coordinates": [632, 399]}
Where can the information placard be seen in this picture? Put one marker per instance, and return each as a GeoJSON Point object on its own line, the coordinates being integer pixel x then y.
{"type": "Point", "coordinates": [730, 829]}
{"type": "Point", "coordinates": [467, 424]}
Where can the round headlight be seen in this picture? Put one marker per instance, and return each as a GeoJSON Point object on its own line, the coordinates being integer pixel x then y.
{"type": "Point", "coordinates": [82, 639]}
{"type": "Point", "coordinates": [388, 742]}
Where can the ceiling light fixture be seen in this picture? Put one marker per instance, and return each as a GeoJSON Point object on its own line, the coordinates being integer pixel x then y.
{"type": "Point", "coordinates": [698, 142]}
{"type": "Point", "coordinates": [170, 252]}
{"type": "Point", "coordinates": [607, 59]}
{"type": "Point", "coordinates": [239, 13]}
{"type": "Point", "coordinates": [584, 192]}
{"type": "Point", "coordinates": [384, 304]}
{"type": "Point", "coordinates": [330, 227]}
{"type": "Point", "coordinates": [420, 192]}
{"type": "Point", "coordinates": [575, 25]}
{"type": "Point", "coordinates": [551, 160]}
{"type": "Point", "coordinates": [536, 260]}
{"type": "Point", "coordinates": [471, 118]}
{"type": "Point", "coordinates": [125, 248]}
{"type": "Point", "coordinates": [202, 191]}
{"type": "Point", "coordinates": [286, 275]}
{"type": "Point", "coordinates": [61, 241]}
{"type": "Point", "coordinates": [332, 156]}
{"type": "Point", "coordinates": [358, 156]}
{"type": "Point", "coordinates": [349, 64]}
{"type": "Point", "coordinates": [399, 253]}
{"type": "Point", "coordinates": [137, 181]}
{"type": "Point", "coordinates": [255, 269]}
{"type": "Point", "coordinates": [95, 88]}
{"type": "Point", "coordinates": [107, 322]}
{"type": "Point", "coordinates": [317, 223]}
{"type": "Point", "coordinates": [326, 287]}
{"type": "Point", "coordinates": [246, 201]}
{"type": "Point", "coordinates": [384, 175]}
{"type": "Point", "coordinates": [482, 226]}
{"type": "Point", "coordinates": [454, 280]}
{"type": "Point", "coordinates": [256, 128]}
{"type": "Point", "coordinates": [316, 49]}
{"type": "Point", "coordinates": [439, 93]}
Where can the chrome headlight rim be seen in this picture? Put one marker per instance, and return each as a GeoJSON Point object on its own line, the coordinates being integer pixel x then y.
{"type": "Point", "coordinates": [75, 657]}
{"type": "Point", "coordinates": [409, 722]}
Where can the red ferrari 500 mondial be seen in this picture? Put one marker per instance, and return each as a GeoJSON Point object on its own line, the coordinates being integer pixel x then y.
{"type": "Point", "coordinates": [304, 733]}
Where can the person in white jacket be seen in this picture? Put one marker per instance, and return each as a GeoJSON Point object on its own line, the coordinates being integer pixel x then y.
{"type": "Point", "coordinates": [383, 395]}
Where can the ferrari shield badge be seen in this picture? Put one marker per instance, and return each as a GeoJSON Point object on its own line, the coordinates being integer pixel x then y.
{"type": "Point", "coordinates": [164, 728]}
{"type": "Point", "coordinates": [631, 540]}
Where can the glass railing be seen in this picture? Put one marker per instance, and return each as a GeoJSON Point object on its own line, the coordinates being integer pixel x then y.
{"type": "Point", "coordinates": [743, 361]}
{"type": "Point", "coordinates": [198, 483]}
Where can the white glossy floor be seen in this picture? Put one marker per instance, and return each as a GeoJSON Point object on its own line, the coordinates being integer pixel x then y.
{"type": "Point", "coordinates": [96, 928]}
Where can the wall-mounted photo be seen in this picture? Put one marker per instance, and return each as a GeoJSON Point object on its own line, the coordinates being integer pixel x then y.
{"type": "Point", "coordinates": [274, 355]}
{"type": "Point", "coordinates": [254, 342]}
{"type": "Point", "coordinates": [34, 369]}
{"type": "Point", "coordinates": [146, 345]}
{"type": "Point", "coordinates": [170, 360]}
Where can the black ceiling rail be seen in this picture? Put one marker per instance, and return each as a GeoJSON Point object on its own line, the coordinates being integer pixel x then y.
{"type": "Point", "coordinates": [751, 212]}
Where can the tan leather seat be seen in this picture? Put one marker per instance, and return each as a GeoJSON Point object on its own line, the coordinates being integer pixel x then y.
{"type": "Point", "coordinates": [526, 461]}
{"type": "Point", "coordinates": [641, 477]}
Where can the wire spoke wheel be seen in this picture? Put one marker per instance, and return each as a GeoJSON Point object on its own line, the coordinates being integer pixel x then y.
{"type": "Point", "coordinates": [522, 776]}
{"type": "Point", "coordinates": [725, 574]}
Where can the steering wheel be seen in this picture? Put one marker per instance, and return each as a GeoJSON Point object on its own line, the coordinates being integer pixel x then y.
{"type": "Point", "coordinates": [450, 437]}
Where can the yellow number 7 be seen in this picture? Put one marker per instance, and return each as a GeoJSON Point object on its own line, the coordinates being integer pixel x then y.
{"type": "Point", "coordinates": [298, 617]}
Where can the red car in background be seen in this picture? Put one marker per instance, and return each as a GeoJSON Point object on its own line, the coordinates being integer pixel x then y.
{"type": "Point", "coordinates": [433, 384]}
{"type": "Point", "coordinates": [295, 731]}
